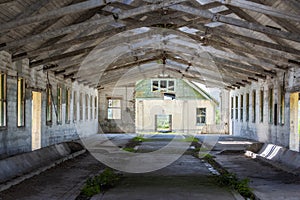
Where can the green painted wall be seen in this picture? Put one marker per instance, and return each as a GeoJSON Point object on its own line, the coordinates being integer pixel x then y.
{"type": "Point", "coordinates": [182, 90]}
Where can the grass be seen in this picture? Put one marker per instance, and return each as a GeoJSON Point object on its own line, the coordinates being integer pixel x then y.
{"type": "Point", "coordinates": [101, 183]}
{"type": "Point", "coordinates": [230, 180]}
{"type": "Point", "coordinates": [129, 149]}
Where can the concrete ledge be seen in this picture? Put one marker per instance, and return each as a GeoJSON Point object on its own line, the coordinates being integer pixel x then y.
{"type": "Point", "coordinates": [21, 167]}
{"type": "Point", "coordinates": [278, 157]}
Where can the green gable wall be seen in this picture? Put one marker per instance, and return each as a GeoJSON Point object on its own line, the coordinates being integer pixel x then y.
{"type": "Point", "coordinates": [182, 90]}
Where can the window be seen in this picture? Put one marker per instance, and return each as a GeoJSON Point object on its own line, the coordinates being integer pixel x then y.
{"type": "Point", "coordinates": [163, 86]}
{"type": "Point", "coordinates": [114, 109]}
{"type": "Point", "coordinates": [270, 105]}
{"type": "Point", "coordinates": [242, 108]}
{"type": "Point", "coordinates": [261, 106]}
{"type": "Point", "coordinates": [59, 105]}
{"type": "Point", "coordinates": [236, 108]}
{"type": "Point", "coordinates": [21, 102]}
{"type": "Point", "coordinates": [74, 106]}
{"type": "Point", "coordinates": [254, 106]}
{"type": "Point", "coordinates": [95, 107]}
{"type": "Point", "coordinates": [232, 108]}
{"type": "Point", "coordinates": [49, 105]}
{"type": "Point", "coordinates": [201, 116]}
{"type": "Point", "coordinates": [247, 107]}
{"type": "Point", "coordinates": [81, 106]}
{"type": "Point", "coordinates": [91, 107]}
{"type": "Point", "coordinates": [68, 102]}
{"type": "Point", "coordinates": [282, 104]}
{"type": "Point", "coordinates": [2, 100]}
{"type": "Point", "coordinates": [87, 106]}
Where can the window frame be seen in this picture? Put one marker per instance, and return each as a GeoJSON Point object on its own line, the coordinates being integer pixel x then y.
{"type": "Point", "coordinates": [270, 104]}
{"type": "Point", "coordinates": [241, 107]}
{"type": "Point", "coordinates": [59, 100]}
{"type": "Point", "coordinates": [21, 101]}
{"type": "Point", "coordinates": [167, 89]}
{"type": "Point", "coordinates": [254, 106]}
{"type": "Point", "coordinates": [68, 106]}
{"type": "Point", "coordinates": [3, 100]}
{"type": "Point", "coordinates": [95, 107]}
{"type": "Point", "coordinates": [114, 108]}
{"type": "Point", "coordinates": [282, 106]}
{"type": "Point", "coordinates": [247, 107]}
{"type": "Point", "coordinates": [81, 106]}
{"type": "Point", "coordinates": [87, 102]}
{"type": "Point", "coordinates": [200, 115]}
{"type": "Point", "coordinates": [49, 117]}
{"type": "Point", "coordinates": [261, 106]}
{"type": "Point", "coordinates": [75, 106]}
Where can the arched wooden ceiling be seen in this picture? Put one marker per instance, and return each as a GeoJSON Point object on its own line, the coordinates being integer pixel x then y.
{"type": "Point", "coordinates": [243, 40]}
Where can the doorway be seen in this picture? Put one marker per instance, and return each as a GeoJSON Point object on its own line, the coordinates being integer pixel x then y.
{"type": "Point", "coordinates": [36, 120]}
{"type": "Point", "coordinates": [294, 121]}
{"type": "Point", "coordinates": [163, 123]}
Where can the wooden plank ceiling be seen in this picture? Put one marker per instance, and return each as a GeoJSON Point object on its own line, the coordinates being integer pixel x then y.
{"type": "Point", "coordinates": [223, 43]}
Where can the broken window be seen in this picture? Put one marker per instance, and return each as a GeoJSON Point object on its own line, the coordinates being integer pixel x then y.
{"type": "Point", "coordinates": [242, 108]}
{"type": "Point", "coordinates": [59, 105]}
{"type": "Point", "coordinates": [91, 107]}
{"type": "Point", "coordinates": [232, 109]}
{"type": "Point", "coordinates": [261, 106]}
{"type": "Point", "coordinates": [201, 116]}
{"type": "Point", "coordinates": [247, 107]}
{"type": "Point", "coordinates": [49, 105]}
{"type": "Point", "coordinates": [74, 106]}
{"type": "Point", "coordinates": [270, 105]}
{"type": "Point", "coordinates": [21, 102]}
{"type": "Point", "coordinates": [68, 102]}
{"type": "Point", "coordinates": [163, 86]}
{"type": "Point", "coordinates": [95, 107]}
{"type": "Point", "coordinates": [81, 106]}
{"type": "Point", "coordinates": [87, 106]}
{"type": "Point", "coordinates": [2, 100]}
{"type": "Point", "coordinates": [236, 107]}
{"type": "Point", "coordinates": [114, 109]}
{"type": "Point", "coordinates": [282, 104]}
{"type": "Point", "coordinates": [254, 106]}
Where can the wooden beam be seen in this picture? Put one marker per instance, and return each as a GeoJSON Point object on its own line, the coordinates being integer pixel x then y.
{"type": "Point", "coordinates": [62, 56]}
{"type": "Point", "coordinates": [260, 8]}
{"type": "Point", "coordinates": [90, 24]}
{"type": "Point", "coordinates": [237, 22]}
{"type": "Point", "coordinates": [54, 14]}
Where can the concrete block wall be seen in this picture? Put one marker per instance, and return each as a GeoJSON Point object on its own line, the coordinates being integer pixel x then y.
{"type": "Point", "coordinates": [263, 131]}
{"type": "Point", "coordinates": [127, 122]}
{"type": "Point", "coordinates": [15, 140]}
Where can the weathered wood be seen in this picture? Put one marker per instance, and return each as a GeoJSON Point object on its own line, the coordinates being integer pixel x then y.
{"type": "Point", "coordinates": [62, 56]}
{"type": "Point", "coordinates": [85, 25]}
{"type": "Point", "coordinates": [237, 22]}
{"type": "Point", "coordinates": [52, 14]}
{"type": "Point", "coordinates": [261, 9]}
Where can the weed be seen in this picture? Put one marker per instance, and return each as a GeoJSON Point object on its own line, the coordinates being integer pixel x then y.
{"type": "Point", "coordinates": [138, 139]}
{"type": "Point", "coordinates": [101, 183]}
{"type": "Point", "coordinates": [129, 149]}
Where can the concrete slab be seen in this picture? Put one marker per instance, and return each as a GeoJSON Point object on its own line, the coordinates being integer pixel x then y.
{"type": "Point", "coordinates": [268, 182]}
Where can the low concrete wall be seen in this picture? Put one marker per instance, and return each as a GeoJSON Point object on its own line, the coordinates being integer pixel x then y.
{"type": "Point", "coordinates": [25, 163]}
{"type": "Point", "coordinates": [279, 157]}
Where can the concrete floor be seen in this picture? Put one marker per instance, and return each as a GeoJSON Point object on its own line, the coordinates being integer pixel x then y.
{"type": "Point", "coordinates": [186, 178]}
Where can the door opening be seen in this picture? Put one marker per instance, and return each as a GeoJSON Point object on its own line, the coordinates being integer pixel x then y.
{"type": "Point", "coordinates": [36, 120]}
{"type": "Point", "coordinates": [294, 121]}
{"type": "Point", "coordinates": [163, 123]}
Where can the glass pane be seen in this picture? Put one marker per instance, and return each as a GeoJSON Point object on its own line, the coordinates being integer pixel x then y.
{"type": "Point", "coordinates": [171, 86]}
{"type": "Point", "coordinates": [163, 85]}
{"type": "Point", "coordinates": [155, 86]}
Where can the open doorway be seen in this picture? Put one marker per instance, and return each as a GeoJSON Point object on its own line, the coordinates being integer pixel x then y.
{"type": "Point", "coordinates": [294, 121]}
{"type": "Point", "coordinates": [36, 120]}
{"type": "Point", "coordinates": [163, 123]}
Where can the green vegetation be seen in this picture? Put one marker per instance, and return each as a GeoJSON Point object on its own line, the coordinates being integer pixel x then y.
{"type": "Point", "coordinates": [230, 180]}
{"type": "Point", "coordinates": [139, 139]}
{"type": "Point", "coordinates": [190, 139]}
{"type": "Point", "coordinates": [129, 149]}
{"type": "Point", "coordinates": [101, 183]}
